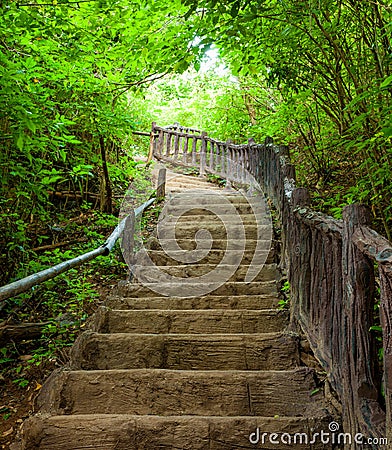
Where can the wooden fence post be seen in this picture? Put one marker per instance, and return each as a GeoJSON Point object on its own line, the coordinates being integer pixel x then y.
{"type": "Point", "coordinates": [296, 245]}
{"type": "Point", "coordinates": [161, 186]}
{"type": "Point", "coordinates": [360, 384]}
{"type": "Point", "coordinates": [385, 316]}
{"type": "Point", "coordinates": [212, 159]}
{"type": "Point", "coordinates": [176, 145]}
{"type": "Point", "coordinates": [152, 142]}
{"type": "Point", "coordinates": [185, 150]}
{"type": "Point", "coordinates": [194, 145]}
{"type": "Point", "coordinates": [203, 151]}
{"type": "Point", "coordinates": [168, 143]}
{"type": "Point", "coordinates": [229, 164]}
{"type": "Point", "coordinates": [128, 241]}
{"type": "Point", "coordinates": [160, 143]}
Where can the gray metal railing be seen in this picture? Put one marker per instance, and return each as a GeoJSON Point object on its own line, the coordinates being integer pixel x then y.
{"type": "Point", "coordinates": [23, 285]}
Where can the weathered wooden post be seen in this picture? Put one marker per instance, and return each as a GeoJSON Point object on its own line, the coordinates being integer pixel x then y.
{"type": "Point", "coordinates": [168, 143]}
{"type": "Point", "coordinates": [203, 153]}
{"type": "Point", "coordinates": [212, 159]}
{"type": "Point", "coordinates": [194, 144]}
{"type": "Point", "coordinates": [128, 241]}
{"type": "Point", "coordinates": [185, 149]}
{"type": "Point", "coordinates": [296, 246]}
{"type": "Point", "coordinates": [229, 164]}
{"type": "Point", "coordinates": [176, 145]}
{"type": "Point", "coordinates": [385, 267]}
{"type": "Point", "coordinates": [160, 143]}
{"type": "Point", "coordinates": [360, 386]}
{"type": "Point", "coordinates": [161, 184]}
{"type": "Point", "coordinates": [152, 142]}
{"type": "Point", "coordinates": [252, 160]}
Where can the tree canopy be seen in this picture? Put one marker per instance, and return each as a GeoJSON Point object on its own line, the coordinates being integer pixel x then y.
{"type": "Point", "coordinates": [315, 74]}
{"type": "Point", "coordinates": [70, 72]}
{"type": "Point", "coordinates": [318, 73]}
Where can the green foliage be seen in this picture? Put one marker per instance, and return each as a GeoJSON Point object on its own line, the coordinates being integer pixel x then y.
{"type": "Point", "coordinates": [72, 78]}
{"type": "Point", "coordinates": [211, 100]}
{"type": "Point", "coordinates": [285, 291]}
{"type": "Point", "coordinates": [315, 74]}
{"type": "Point", "coordinates": [62, 303]}
{"type": "Point", "coordinates": [212, 178]}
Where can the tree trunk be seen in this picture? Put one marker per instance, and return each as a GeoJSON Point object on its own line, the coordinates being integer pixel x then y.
{"type": "Point", "coordinates": [106, 198]}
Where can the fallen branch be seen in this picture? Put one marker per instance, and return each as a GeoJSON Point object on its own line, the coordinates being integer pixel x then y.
{"type": "Point", "coordinates": [20, 332]}
{"type": "Point", "coordinates": [58, 245]}
{"type": "Point", "coordinates": [71, 194]}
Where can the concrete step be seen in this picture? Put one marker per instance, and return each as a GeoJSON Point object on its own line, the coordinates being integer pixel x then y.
{"type": "Point", "coordinates": [212, 321]}
{"type": "Point", "coordinates": [189, 217]}
{"type": "Point", "coordinates": [199, 208]}
{"type": "Point", "coordinates": [193, 199]}
{"type": "Point", "coordinates": [135, 432]}
{"type": "Point", "coordinates": [181, 188]}
{"type": "Point", "coordinates": [216, 244]}
{"type": "Point", "coordinates": [190, 184]}
{"type": "Point", "coordinates": [161, 258]}
{"type": "Point", "coordinates": [220, 273]}
{"type": "Point", "coordinates": [173, 178]}
{"type": "Point", "coordinates": [170, 392]}
{"type": "Point", "coordinates": [94, 351]}
{"type": "Point", "coordinates": [129, 289]}
{"type": "Point", "coordinates": [236, 302]}
{"type": "Point", "coordinates": [217, 231]}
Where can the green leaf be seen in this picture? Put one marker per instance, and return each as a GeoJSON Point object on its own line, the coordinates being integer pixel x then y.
{"type": "Point", "coordinates": [386, 82]}
{"type": "Point", "coordinates": [31, 126]}
{"type": "Point", "coordinates": [387, 131]}
{"type": "Point", "coordinates": [63, 154]}
{"type": "Point", "coordinates": [20, 142]}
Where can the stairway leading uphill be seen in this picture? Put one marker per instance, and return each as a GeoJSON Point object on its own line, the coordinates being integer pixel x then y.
{"type": "Point", "coordinates": [195, 369]}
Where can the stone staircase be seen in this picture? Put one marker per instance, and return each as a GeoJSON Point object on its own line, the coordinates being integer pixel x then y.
{"type": "Point", "coordinates": [212, 371]}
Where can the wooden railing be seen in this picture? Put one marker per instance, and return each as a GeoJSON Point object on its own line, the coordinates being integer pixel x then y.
{"type": "Point", "coordinates": [332, 268]}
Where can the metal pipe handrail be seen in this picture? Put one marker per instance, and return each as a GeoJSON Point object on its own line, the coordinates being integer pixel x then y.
{"type": "Point", "coordinates": [24, 284]}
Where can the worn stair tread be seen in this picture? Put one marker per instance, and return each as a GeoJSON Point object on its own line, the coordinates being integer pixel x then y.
{"type": "Point", "coordinates": [96, 351]}
{"type": "Point", "coordinates": [216, 244]}
{"type": "Point", "coordinates": [211, 221]}
{"type": "Point", "coordinates": [128, 289]}
{"type": "Point", "coordinates": [176, 179]}
{"type": "Point", "coordinates": [191, 392]}
{"type": "Point", "coordinates": [207, 302]}
{"type": "Point", "coordinates": [131, 432]}
{"type": "Point", "coordinates": [181, 187]}
{"type": "Point", "coordinates": [215, 256]}
{"type": "Point", "coordinates": [216, 321]}
{"type": "Point", "coordinates": [190, 217]}
{"type": "Point", "coordinates": [233, 272]}
{"type": "Point", "coordinates": [221, 208]}
{"type": "Point", "coordinates": [232, 195]}
{"type": "Point", "coordinates": [217, 231]}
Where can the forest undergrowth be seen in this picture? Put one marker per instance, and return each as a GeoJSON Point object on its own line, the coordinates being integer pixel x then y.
{"type": "Point", "coordinates": [38, 328]}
